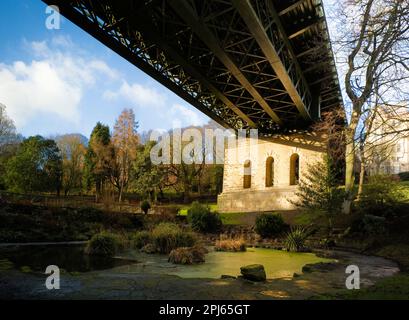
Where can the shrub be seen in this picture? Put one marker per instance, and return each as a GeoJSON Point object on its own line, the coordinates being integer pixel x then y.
{"type": "Point", "coordinates": [185, 239]}
{"type": "Point", "coordinates": [232, 245]}
{"type": "Point", "coordinates": [145, 206]}
{"type": "Point", "coordinates": [270, 225]}
{"type": "Point", "coordinates": [103, 244]}
{"type": "Point", "coordinates": [140, 239]}
{"type": "Point", "coordinates": [188, 255]}
{"type": "Point", "coordinates": [169, 236]}
{"type": "Point", "coordinates": [295, 239]}
{"type": "Point", "coordinates": [380, 195]}
{"type": "Point", "coordinates": [373, 225]}
{"type": "Point", "coordinates": [404, 176]}
{"type": "Point", "coordinates": [202, 219]}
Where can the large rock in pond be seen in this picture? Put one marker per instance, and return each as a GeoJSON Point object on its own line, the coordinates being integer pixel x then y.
{"type": "Point", "coordinates": [253, 272]}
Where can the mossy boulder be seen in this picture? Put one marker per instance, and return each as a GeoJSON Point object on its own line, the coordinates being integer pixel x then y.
{"type": "Point", "coordinates": [253, 272]}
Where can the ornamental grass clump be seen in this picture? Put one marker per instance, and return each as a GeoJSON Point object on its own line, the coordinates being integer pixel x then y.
{"type": "Point", "coordinates": [296, 238]}
{"type": "Point", "coordinates": [168, 236]}
{"type": "Point", "coordinates": [141, 239]}
{"type": "Point", "coordinates": [192, 255]}
{"type": "Point", "coordinates": [230, 245]}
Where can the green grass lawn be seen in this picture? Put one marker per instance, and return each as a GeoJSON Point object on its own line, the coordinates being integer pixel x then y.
{"type": "Point", "coordinates": [236, 218]}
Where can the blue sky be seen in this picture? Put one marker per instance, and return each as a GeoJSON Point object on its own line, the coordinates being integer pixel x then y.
{"type": "Point", "coordinates": [64, 81]}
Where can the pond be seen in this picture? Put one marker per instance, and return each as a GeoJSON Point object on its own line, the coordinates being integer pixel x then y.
{"type": "Point", "coordinates": [71, 258]}
{"type": "Point", "coordinates": [277, 263]}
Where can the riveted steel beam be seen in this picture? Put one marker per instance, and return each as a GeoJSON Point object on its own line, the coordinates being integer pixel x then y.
{"type": "Point", "coordinates": [178, 57]}
{"type": "Point", "coordinates": [186, 13]}
{"type": "Point", "coordinates": [291, 7]}
{"type": "Point", "coordinates": [252, 21]}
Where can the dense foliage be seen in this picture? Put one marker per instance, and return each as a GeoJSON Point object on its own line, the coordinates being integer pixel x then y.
{"type": "Point", "coordinates": [202, 219]}
{"type": "Point", "coordinates": [147, 178]}
{"type": "Point", "coordinates": [98, 158]}
{"type": "Point", "coordinates": [37, 166]}
{"type": "Point", "coordinates": [103, 244]}
{"type": "Point", "coordinates": [404, 176]}
{"type": "Point", "coordinates": [141, 239]}
{"type": "Point", "coordinates": [319, 188]}
{"type": "Point", "coordinates": [270, 225]}
{"type": "Point", "coordinates": [381, 195]}
{"type": "Point", "coordinates": [29, 223]}
{"type": "Point", "coordinates": [145, 206]}
{"type": "Point", "coordinates": [165, 237]}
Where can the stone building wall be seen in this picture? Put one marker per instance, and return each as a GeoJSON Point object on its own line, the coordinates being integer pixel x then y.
{"type": "Point", "coordinates": [259, 197]}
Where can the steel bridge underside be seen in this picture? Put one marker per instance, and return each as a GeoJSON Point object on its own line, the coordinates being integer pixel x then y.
{"type": "Point", "coordinates": [265, 64]}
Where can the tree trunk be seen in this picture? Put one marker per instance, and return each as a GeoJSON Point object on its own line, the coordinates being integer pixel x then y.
{"type": "Point", "coordinates": [349, 173]}
{"type": "Point", "coordinates": [97, 190]}
{"type": "Point", "coordinates": [361, 178]}
{"type": "Point", "coordinates": [186, 193]}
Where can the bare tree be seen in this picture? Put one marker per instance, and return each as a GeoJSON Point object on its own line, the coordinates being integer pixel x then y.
{"type": "Point", "coordinates": [389, 126]}
{"type": "Point", "coordinates": [7, 127]}
{"type": "Point", "coordinates": [376, 46]}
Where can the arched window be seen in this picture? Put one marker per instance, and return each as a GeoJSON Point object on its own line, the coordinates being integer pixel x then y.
{"type": "Point", "coordinates": [269, 172]}
{"type": "Point", "coordinates": [247, 174]}
{"type": "Point", "coordinates": [294, 169]}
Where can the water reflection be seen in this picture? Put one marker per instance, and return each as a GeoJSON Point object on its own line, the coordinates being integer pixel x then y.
{"type": "Point", "coordinates": [70, 258]}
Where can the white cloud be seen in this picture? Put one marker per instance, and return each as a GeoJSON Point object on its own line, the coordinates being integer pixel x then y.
{"type": "Point", "coordinates": [186, 116]}
{"type": "Point", "coordinates": [27, 89]}
{"type": "Point", "coordinates": [138, 94]}
{"type": "Point", "coordinates": [143, 97]}
{"type": "Point", "coordinates": [53, 83]}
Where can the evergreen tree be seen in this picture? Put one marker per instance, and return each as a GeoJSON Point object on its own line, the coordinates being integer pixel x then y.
{"type": "Point", "coordinates": [319, 188]}
{"type": "Point", "coordinates": [98, 159]}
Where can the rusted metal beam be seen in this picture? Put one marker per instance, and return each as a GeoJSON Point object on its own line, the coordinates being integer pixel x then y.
{"type": "Point", "coordinates": [187, 14]}
{"type": "Point", "coordinates": [252, 21]}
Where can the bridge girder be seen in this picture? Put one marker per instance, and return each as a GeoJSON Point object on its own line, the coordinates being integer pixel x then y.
{"type": "Point", "coordinates": [207, 52]}
{"type": "Point", "coordinates": [186, 12]}
{"type": "Point", "coordinates": [300, 96]}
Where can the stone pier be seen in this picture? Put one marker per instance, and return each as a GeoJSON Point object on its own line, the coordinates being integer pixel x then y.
{"type": "Point", "coordinates": [262, 175]}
